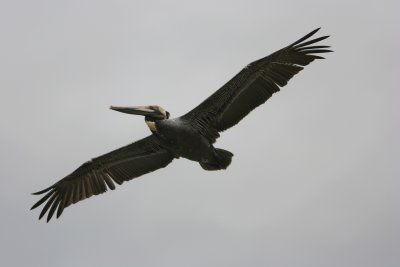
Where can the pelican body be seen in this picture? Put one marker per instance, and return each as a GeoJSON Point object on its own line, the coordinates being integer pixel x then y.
{"type": "Point", "coordinates": [180, 138]}
{"type": "Point", "coordinates": [191, 136]}
{"type": "Point", "coordinates": [184, 141]}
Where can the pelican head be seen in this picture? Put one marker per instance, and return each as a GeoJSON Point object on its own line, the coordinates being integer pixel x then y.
{"type": "Point", "coordinates": [150, 113]}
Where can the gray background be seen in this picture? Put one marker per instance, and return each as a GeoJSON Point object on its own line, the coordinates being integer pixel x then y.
{"type": "Point", "coordinates": [315, 176]}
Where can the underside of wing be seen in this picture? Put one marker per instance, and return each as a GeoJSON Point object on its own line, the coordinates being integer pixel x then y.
{"type": "Point", "coordinates": [97, 175]}
{"type": "Point", "coordinates": [252, 86]}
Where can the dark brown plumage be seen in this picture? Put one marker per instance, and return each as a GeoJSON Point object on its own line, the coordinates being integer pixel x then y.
{"type": "Point", "coordinates": [190, 136]}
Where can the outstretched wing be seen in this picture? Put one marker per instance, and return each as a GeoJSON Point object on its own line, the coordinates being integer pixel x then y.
{"type": "Point", "coordinates": [94, 176]}
{"type": "Point", "coordinates": [253, 86]}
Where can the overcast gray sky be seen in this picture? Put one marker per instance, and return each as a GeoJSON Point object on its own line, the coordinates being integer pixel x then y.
{"type": "Point", "coordinates": [315, 176]}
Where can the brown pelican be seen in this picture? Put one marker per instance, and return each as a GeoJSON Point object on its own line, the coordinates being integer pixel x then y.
{"type": "Point", "coordinates": [190, 136]}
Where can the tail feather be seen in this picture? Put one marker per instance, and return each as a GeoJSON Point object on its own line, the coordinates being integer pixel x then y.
{"type": "Point", "coordinates": [221, 160]}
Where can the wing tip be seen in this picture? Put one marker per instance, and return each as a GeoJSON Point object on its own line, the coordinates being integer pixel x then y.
{"type": "Point", "coordinates": [315, 30]}
{"type": "Point", "coordinates": [43, 191]}
{"type": "Point", "coordinates": [307, 36]}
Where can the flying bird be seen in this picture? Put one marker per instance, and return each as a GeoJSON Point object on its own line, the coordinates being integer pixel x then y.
{"type": "Point", "coordinates": [190, 136]}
